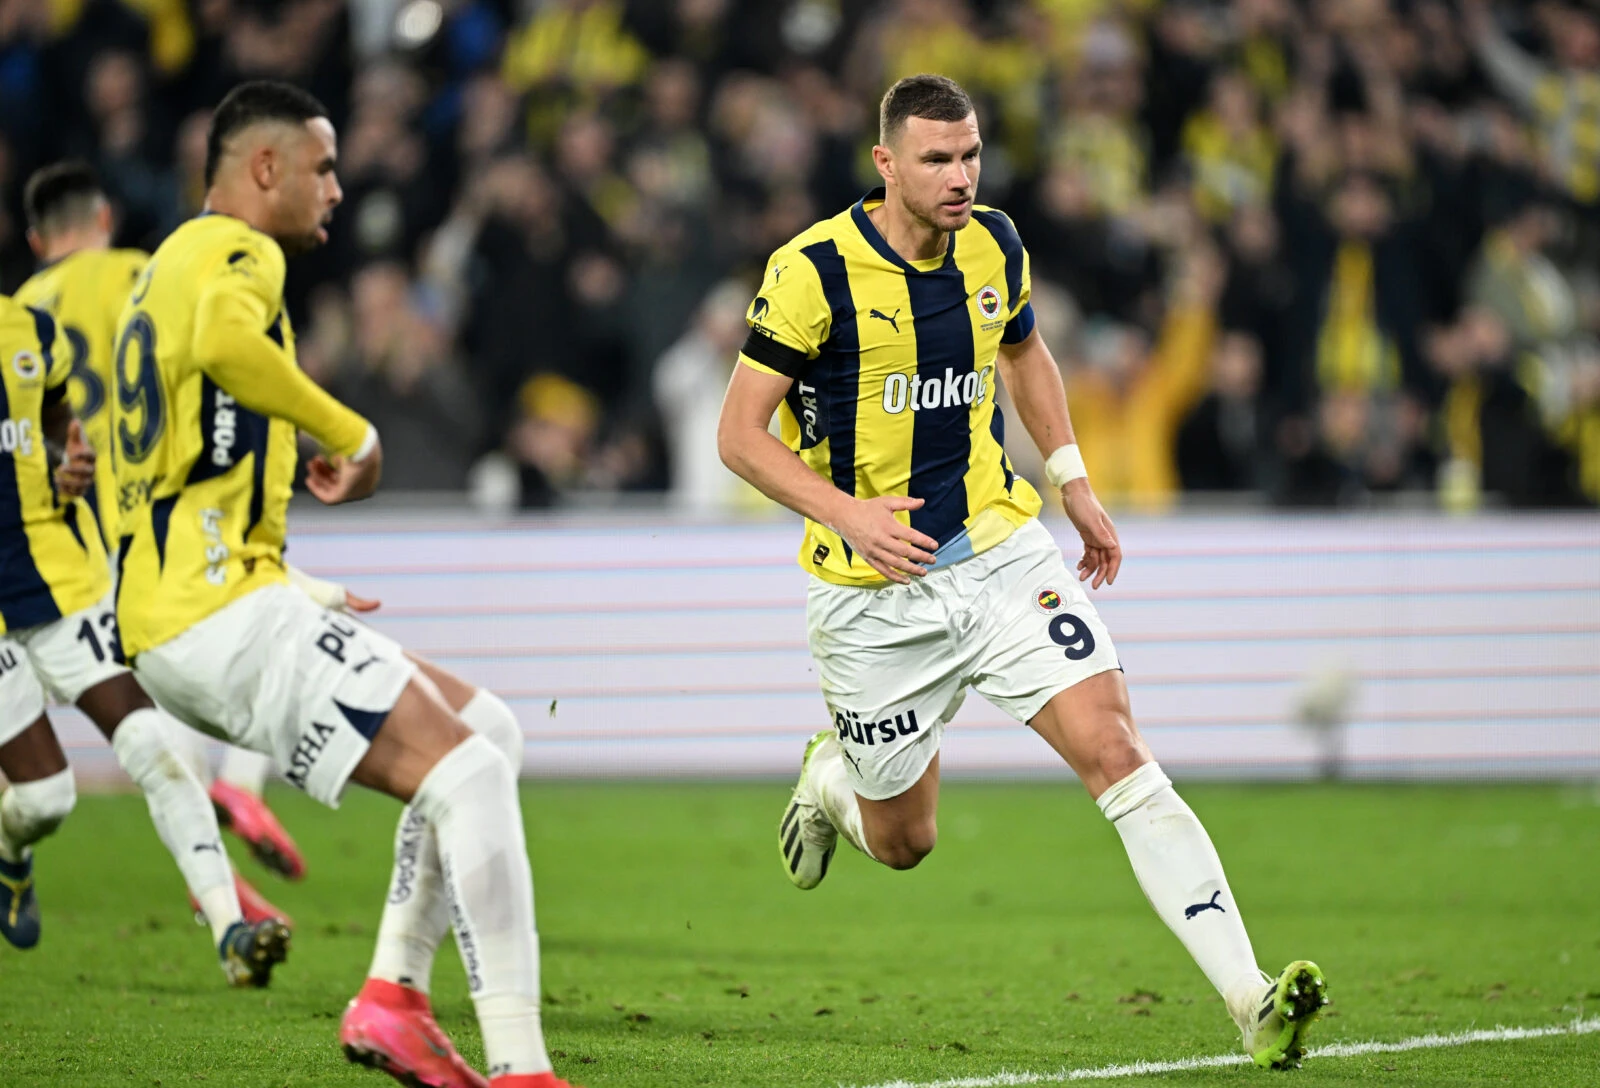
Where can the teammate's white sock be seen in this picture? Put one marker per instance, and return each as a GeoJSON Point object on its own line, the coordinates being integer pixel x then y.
{"type": "Point", "coordinates": [1181, 875]}
{"type": "Point", "coordinates": [835, 793]}
{"type": "Point", "coordinates": [191, 746]}
{"type": "Point", "coordinates": [470, 798]}
{"type": "Point", "coordinates": [246, 769]}
{"type": "Point", "coordinates": [31, 810]}
{"type": "Point", "coordinates": [416, 916]}
{"type": "Point", "coordinates": [181, 812]}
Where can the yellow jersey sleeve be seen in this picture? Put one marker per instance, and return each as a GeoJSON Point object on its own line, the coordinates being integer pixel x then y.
{"type": "Point", "coordinates": [789, 319]}
{"type": "Point", "coordinates": [234, 344]}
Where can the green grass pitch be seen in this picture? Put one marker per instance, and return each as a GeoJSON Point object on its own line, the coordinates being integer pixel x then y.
{"type": "Point", "coordinates": [676, 954]}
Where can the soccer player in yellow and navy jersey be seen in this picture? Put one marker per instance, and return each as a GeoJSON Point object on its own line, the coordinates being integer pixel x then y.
{"type": "Point", "coordinates": [880, 337]}
{"type": "Point", "coordinates": [58, 634]}
{"type": "Point", "coordinates": [83, 283]}
{"type": "Point", "coordinates": [209, 397]}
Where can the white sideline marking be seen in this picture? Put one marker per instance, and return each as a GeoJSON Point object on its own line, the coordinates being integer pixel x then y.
{"type": "Point", "coordinates": [1333, 1050]}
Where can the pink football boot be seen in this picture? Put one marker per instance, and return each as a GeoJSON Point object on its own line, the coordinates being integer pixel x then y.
{"type": "Point", "coordinates": [248, 817]}
{"type": "Point", "coordinates": [391, 1027]}
{"type": "Point", "coordinates": [529, 1080]}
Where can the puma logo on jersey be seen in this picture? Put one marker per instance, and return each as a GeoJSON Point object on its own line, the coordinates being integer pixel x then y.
{"type": "Point", "coordinates": [919, 393]}
{"type": "Point", "coordinates": [1190, 911]}
{"type": "Point", "coordinates": [890, 318]}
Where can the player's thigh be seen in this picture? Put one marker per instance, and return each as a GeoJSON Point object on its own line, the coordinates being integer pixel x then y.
{"type": "Point", "coordinates": [275, 673]}
{"type": "Point", "coordinates": [32, 753]}
{"type": "Point", "coordinates": [1090, 725]}
{"type": "Point", "coordinates": [456, 692]}
{"type": "Point", "coordinates": [890, 676]}
{"type": "Point", "coordinates": [421, 729]}
{"type": "Point", "coordinates": [21, 694]}
{"type": "Point", "coordinates": [79, 653]}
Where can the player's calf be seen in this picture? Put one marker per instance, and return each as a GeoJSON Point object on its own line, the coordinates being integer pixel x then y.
{"type": "Point", "coordinates": [28, 812]}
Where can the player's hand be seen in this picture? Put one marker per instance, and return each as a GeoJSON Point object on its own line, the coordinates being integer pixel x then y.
{"type": "Point", "coordinates": [352, 603]}
{"type": "Point", "coordinates": [75, 473]}
{"type": "Point", "coordinates": [338, 479]}
{"type": "Point", "coordinates": [1102, 551]}
{"type": "Point", "coordinates": [896, 551]}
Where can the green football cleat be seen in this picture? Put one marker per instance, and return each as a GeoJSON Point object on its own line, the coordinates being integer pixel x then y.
{"type": "Point", "coordinates": [806, 840]}
{"type": "Point", "coordinates": [1286, 1008]}
{"type": "Point", "coordinates": [249, 951]}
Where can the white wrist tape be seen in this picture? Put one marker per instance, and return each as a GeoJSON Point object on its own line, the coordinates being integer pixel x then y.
{"type": "Point", "coordinates": [330, 595]}
{"type": "Point", "coordinates": [1064, 466]}
{"type": "Point", "coordinates": [367, 444]}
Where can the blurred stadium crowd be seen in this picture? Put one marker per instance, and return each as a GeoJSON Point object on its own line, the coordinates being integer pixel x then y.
{"type": "Point", "coordinates": [1312, 251]}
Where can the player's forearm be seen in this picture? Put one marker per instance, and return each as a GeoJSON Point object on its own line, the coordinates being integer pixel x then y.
{"type": "Point", "coordinates": [261, 376]}
{"type": "Point", "coordinates": [1034, 381]}
{"type": "Point", "coordinates": [772, 468]}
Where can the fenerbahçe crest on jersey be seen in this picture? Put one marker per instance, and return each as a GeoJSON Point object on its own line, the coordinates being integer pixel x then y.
{"type": "Point", "coordinates": [894, 368]}
{"type": "Point", "coordinates": [85, 292]}
{"type": "Point", "coordinates": [52, 562]}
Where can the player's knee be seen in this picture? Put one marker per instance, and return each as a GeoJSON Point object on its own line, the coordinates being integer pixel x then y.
{"type": "Point", "coordinates": [35, 809]}
{"type": "Point", "coordinates": [908, 846]}
{"type": "Point", "coordinates": [473, 773]}
{"type": "Point", "coordinates": [487, 715]}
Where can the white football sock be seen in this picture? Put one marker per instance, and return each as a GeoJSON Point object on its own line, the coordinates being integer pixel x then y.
{"type": "Point", "coordinates": [838, 797]}
{"type": "Point", "coordinates": [181, 812]}
{"type": "Point", "coordinates": [1181, 875]}
{"type": "Point", "coordinates": [31, 810]}
{"type": "Point", "coordinates": [246, 769]}
{"type": "Point", "coordinates": [470, 799]}
{"type": "Point", "coordinates": [416, 916]}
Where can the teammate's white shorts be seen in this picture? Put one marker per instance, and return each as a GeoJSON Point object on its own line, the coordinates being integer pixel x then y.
{"type": "Point", "coordinates": [895, 662]}
{"type": "Point", "coordinates": [275, 673]}
{"type": "Point", "coordinates": [65, 658]}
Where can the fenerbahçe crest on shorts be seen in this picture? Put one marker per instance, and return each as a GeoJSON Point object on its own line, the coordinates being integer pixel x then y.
{"type": "Point", "coordinates": [894, 376]}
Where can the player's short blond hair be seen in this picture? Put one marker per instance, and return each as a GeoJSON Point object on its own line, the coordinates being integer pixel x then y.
{"type": "Point", "coordinates": [937, 98]}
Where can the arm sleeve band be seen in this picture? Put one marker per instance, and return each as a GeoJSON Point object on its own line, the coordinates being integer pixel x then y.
{"type": "Point", "coordinates": [777, 357]}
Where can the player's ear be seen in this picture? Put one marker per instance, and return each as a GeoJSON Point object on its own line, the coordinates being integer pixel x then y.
{"type": "Point", "coordinates": [102, 218]}
{"type": "Point", "coordinates": [264, 166]}
{"type": "Point", "coordinates": [36, 243]}
{"type": "Point", "coordinates": [883, 159]}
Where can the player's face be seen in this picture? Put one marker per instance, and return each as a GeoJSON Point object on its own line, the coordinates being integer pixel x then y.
{"type": "Point", "coordinates": [934, 166]}
{"type": "Point", "coordinates": [309, 188]}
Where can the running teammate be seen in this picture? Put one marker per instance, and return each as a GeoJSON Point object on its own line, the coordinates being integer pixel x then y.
{"type": "Point", "coordinates": [58, 632]}
{"type": "Point", "coordinates": [83, 283]}
{"type": "Point", "coordinates": [208, 400]}
{"type": "Point", "coordinates": [882, 333]}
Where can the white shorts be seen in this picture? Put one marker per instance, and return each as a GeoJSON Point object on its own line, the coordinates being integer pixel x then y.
{"type": "Point", "coordinates": [895, 662]}
{"type": "Point", "coordinates": [275, 673]}
{"type": "Point", "coordinates": [65, 658]}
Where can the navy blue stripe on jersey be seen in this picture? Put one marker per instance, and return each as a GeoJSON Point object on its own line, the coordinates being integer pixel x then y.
{"type": "Point", "coordinates": [275, 330]}
{"type": "Point", "coordinates": [92, 499]}
{"type": "Point", "coordinates": [836, 377]}
{"type": "Point", "coordinates": [839, 376]}
{"type": "Point", "coordinates": [70, 516]}
{"type": "Point", "coordinates": [997, 427]}
{"type": "Point", "coordinates": [25, 597]}
{"type": "Point", "coordinates": [941, 435]}
{"type": "Point", "coordinates": [160, 523]}
{"type": "Point", "coordinates": [1019, 327]}
{"type": "Point", "coordinates": [228, 433]}
{"type": "Point", "coordinates": [258, 471]}
{"type": "Point", "coordinates": [122, 558]}
{"type": "Point", "coordinates": [45, 326]}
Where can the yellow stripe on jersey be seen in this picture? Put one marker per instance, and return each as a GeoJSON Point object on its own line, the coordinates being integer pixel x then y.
{"type": "Point", "coordinates": [85, 292]}
{"type": "Point", "coordinates": [894, 368]}
{"type": "Point", "coordinates": [52, 562]}
{"type": "Point", "coordinates": [208, 399]}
